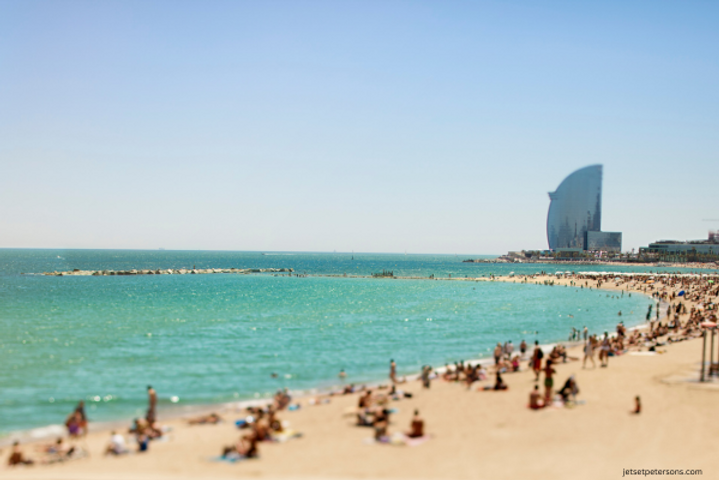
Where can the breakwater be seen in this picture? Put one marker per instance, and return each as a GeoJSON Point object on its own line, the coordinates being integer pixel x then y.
{"type": "Point", "coordinates": [168, 271]}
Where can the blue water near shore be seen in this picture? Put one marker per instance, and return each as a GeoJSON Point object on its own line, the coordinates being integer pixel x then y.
{"type": "Point", "coordinates": [217, 338]}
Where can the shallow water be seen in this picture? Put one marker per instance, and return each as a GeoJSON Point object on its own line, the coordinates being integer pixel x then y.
{"type": "Point", "coordinates": [214, 338]}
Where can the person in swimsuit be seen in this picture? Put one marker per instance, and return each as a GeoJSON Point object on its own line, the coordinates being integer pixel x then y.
{"type": "Point", "coordinates": [393, 371]}
{"type": "Point", "coordinates": [416, 428]}
{"type": "Point", "coordinates": [74, 424]}
{"type": "Point", "coordinates": [537, 360]}
{"type": "Point", "coordinates": [604, 350]}
{"type": "Point", "coordinates": [637, 405]}
{"type": "Point", "coordinates": [589, 354]}
{"type": "Point", "coordinates": [152, 405]}
{"type": "Point", "coordinates": [497, 353]}
{"type": "Point", "coordinates": [535, 399]}
{"type": "Point", "coordinates": [16, 456]}
{"type": "Point", "coordinates": [80, 409]}
{"type": "Point", "coordinates": [548, 381]}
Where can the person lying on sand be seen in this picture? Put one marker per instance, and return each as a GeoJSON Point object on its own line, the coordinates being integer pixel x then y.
{"type": "Point", "coordinates": [212, 419]}
{"type": "Point", "coordinates": [58, 447]}
{"type": "Point", "coordinates": [16, 456]}
{"type": "Point", "coordinates": [416, 428]}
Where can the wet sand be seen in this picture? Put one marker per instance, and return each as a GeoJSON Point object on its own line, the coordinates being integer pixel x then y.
{"type": "Point", "coordinates": [475, 434]}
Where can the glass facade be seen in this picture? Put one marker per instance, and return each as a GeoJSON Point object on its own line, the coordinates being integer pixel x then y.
{"type": "Point", "coordinates": [604, 241]}
{"type": "Point", "coordinates": [575, 209]}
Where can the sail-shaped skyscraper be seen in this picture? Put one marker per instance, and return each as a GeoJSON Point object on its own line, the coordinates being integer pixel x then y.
{"type": "Point", "coordinates": [574, 221]}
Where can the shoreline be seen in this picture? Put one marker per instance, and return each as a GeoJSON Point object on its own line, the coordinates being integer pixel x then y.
{"type": "Point", "coordinates": [178, 412]}
{"type": "Point", "coordinates": [473, 433]}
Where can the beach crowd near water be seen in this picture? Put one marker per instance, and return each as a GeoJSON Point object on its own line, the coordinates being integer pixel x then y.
{"type": "Point", "coordinates": [685, 308]}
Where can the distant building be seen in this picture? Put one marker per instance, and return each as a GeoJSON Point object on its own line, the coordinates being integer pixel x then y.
{"type": "Point", "coordinates": [691, 250]}
{"type": "Point", "coordinates": [574, 220]}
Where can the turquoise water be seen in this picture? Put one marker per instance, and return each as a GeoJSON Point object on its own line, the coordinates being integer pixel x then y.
{"type": "Point", "coordinates": [215, 338]}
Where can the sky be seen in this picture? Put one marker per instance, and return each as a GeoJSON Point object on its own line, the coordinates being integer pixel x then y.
{"type": "Point", "coordinates": [368, 126]}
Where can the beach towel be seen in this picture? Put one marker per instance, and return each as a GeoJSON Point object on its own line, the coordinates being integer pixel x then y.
{"type": "Point", "coordinates": [285, 436]}
{"type": "Point", "coordinates": [229, 458]}
{"type": "Point", "coordinates": [398, 439]}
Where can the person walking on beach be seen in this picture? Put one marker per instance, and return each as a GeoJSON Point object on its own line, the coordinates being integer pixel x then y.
{"type": "Point", "coordinates": [537, 360]}
{"type": "Point", "coordinates": [588, 353]}
{"type": "Point", "coordinates": [604, 351]}
{"type": "Point", "coordinates": [548, 382]}
{"type": "Point", "coordinates": [151, 405]}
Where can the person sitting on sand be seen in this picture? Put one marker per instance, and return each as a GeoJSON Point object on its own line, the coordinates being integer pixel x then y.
{"type": "Point", "coordinates": [211, 419]}
{"type": "Point", "coordinates": [141, 429]}
{"type": "Point", "coordinates": [515, 363]}
{"type": "Point", "coordinates": [246, 447]}
{"type": "Point", "coordinates": [116, 446]}
{"type": "Point", "coordinates": [535, 399]}
{"type": "Point", "coordinates": [569, 389]}
{"type": "Point", "coordinates": [380, 424]}
{"type": "Point", "coordinates": [365, 401]}
{"type": "Point", "coordinates": [16, 456]}
{"type": "Point", "coordinates": [499, 383]}
{"type": "Point", "coordinates": [416, 428]}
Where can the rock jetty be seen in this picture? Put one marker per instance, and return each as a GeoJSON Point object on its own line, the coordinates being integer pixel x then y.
{"type": "Point", "coordinates": [166, 271]}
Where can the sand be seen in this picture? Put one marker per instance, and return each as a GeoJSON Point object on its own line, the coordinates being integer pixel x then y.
{"type": "Point", "coordinates": [475, 434]}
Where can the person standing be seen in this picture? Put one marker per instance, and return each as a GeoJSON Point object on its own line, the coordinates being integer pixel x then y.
{"type": "Point", "coordinates": [585, 333]}
{"type": "Point", "coordinates": [151, 405]}
{"type": "Point", "coordinates": [537, 360]}
{"type": "Point", "coordinates": [523, 348]}
{"type": "Point", "coordinates": [393, 371]}
{"type": "Point", "coordinates": [548, 382]}
{"type": "Point", "coordinates": [497, 353]}
{"type": "Point", "coordinates": [604, 350]}
{"type": "Point", "coordinates": [588, 353]}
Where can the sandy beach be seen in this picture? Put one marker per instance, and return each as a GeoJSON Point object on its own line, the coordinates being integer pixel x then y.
{"type": "Point", "coordinates": [474, 433]}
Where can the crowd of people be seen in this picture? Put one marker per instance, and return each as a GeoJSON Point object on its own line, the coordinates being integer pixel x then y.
{"type": "Point", "coordinates": [689, 302]}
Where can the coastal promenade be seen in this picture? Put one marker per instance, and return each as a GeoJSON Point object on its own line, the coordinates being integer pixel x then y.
{"type": "Point", "coordinates": [475, 433]}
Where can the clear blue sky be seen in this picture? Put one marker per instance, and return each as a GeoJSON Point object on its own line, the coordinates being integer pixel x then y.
{"type": "Point", "coordinates": [370, 126]}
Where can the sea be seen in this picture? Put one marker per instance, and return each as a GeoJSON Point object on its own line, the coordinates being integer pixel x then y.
{"type": "Point", "coordinates": [210, 339]}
